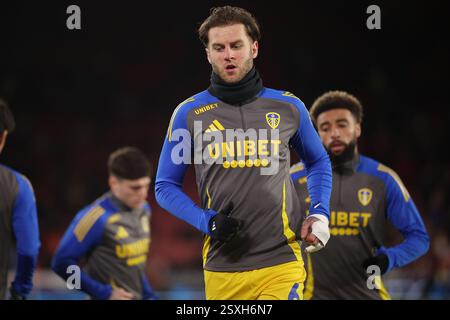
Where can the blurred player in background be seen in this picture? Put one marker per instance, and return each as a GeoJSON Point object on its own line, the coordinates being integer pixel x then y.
{"type": "Point", "coordinates": [113, 234]}
{"type": "Point", "coordinates": [365, 194]}
{"type": "Point", "coordinates": [251, 219]}
{"type": "Point", "coordinates": [18, 220]}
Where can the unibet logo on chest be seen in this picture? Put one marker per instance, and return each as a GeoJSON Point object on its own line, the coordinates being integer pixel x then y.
{"type": "Point", "coordinates": [256, 152]}
{"type": "Point", "coordinates": [345, 223]}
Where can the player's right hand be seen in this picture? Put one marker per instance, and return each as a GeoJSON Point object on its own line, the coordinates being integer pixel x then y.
{"type": "Point", "coordinates": [120, 294]}
{"type": "Point", "coordinates": [315, 232]}
{"type": "Point", "coordinates": [222, 227]}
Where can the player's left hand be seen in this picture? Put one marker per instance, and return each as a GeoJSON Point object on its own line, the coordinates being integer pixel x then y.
{"type": "Point", "coordinates": [222, 226]}
{"type": "Point", "coordinates": [315, 232]}
{"type": "Point", "coordinates": [381, 260]}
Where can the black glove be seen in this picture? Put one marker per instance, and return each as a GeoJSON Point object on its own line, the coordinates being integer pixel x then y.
{"type": "Point", "coordinates": [381, 260]}
{"type": "Point", "coordinates": [15, 295]}
{"type": "Point", "coordinates": [222, 227]}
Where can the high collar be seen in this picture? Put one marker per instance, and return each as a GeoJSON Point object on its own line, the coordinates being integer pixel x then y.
{"type": "Point", "coordinates": [348, 167]}
{"type": "Point", "coordinates": [237, 93]}
{"type": "Point", "coordinates": [117, 203]}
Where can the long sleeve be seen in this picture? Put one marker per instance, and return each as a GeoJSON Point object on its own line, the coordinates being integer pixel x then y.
{"type": "Point", "coordinates": [78, 240]}
{"type": "Point", "coordinates": [307, 144]}
{"type": "Point", "coordinates": [404, 216]}
{"type": "Point", "coordinates": [170, 174]}
{"type": "Point", "coordinates": [26, 233]}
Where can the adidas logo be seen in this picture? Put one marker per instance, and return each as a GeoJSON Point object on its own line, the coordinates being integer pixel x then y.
{"type": "Point", "coordinates": [121, 233]}
{"type": "Point", "coordinates": [215, 126]}
{"type": "Point", "coordinates": [213, 227]}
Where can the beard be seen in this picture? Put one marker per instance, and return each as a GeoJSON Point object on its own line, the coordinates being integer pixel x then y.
{"type": "Point", "coordinates": [346, 155]}
{"type": "Point", "coordinates": [246, 67]}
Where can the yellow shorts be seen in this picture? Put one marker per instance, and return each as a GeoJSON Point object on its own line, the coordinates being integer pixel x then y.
{"type": "Point", "coordinates": [280, 282]}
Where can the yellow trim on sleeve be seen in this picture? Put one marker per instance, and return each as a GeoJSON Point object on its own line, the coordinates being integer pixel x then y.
{"type": "Point", "coordinates": [86, 223]}
{"type": "Point", "coordinates": [172, 119]}
{"type": "Point", "coordinates": [397, 179]}
{"type": "Point", "coordinates": [289, 94]}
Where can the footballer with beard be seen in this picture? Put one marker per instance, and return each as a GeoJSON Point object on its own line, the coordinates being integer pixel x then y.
{"type": "Point", "coordinates": [365, 196]}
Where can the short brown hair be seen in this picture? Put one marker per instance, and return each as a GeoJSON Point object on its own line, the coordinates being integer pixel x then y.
{"type": "Point", "coordinates": [6, 118]}
{"type": "Point", "coordinates": [129, 163]}
{"type": "Point", "coordinates": [337, 100]}
{"type": "Point", "coordinates": [228, 15]}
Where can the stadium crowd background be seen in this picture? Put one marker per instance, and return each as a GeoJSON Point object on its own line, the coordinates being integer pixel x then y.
{"type": "Point", "coordinates": [78, 95]}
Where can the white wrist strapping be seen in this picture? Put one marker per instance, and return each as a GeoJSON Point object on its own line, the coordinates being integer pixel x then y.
{"type": "Point", "coordinates": [320, 229]}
